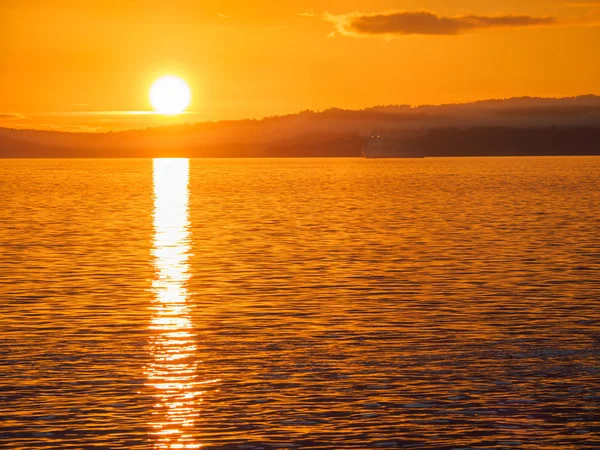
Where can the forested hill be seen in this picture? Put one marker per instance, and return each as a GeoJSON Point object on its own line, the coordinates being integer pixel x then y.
{"type": "Point", "coordinates": [522, 126]}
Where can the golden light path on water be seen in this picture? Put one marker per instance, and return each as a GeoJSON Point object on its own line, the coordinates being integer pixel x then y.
{"type": "Point", "coordinates": [172, 345]}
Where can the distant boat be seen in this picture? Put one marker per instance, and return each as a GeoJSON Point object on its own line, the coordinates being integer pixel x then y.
{"type": "Point", "coordinates": [379, 146]}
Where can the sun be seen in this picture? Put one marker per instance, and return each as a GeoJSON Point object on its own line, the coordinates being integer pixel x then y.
{"type": "Point", "coordinates": [170, 95]}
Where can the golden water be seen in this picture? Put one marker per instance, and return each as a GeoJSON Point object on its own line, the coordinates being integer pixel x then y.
{"type": "Point", "coordinates": [300, 303]}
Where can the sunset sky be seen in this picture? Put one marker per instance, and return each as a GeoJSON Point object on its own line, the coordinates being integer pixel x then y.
{"type": "Point", "coordinates": [72, 64]}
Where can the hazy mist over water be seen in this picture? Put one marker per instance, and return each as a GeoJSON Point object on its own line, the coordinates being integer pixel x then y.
{"type": "Point", "coordinates": [300, 303]}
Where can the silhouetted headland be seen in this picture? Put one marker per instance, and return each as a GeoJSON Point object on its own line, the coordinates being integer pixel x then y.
{"type": "Point", "coordinates": [519, 126]}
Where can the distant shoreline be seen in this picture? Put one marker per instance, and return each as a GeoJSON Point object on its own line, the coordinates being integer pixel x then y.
{"type": "Point", "coordinates": [296, 157]}
{"type": "Point", "coordinates": [445, 142]}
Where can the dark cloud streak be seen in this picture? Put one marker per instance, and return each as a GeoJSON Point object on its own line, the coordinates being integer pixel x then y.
{"type": "Point", "coordinates": [426, 23]}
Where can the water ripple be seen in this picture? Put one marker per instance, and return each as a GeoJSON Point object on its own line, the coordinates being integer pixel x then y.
{"type": "Point", "coordinates": [433, 304]}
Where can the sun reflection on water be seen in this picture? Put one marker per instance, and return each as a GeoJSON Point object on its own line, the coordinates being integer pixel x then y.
{"type": "Point", "coordinates": [172, 345]}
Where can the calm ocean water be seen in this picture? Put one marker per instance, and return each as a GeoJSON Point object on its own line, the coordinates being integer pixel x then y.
{"type": "Point", "coordinates": [300, 303]}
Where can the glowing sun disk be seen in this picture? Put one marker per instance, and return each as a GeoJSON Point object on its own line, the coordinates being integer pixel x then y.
{"type": "Point", "coordinates": [170, 95]}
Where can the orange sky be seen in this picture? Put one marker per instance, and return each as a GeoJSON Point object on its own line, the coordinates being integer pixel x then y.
{"type": "Point", "coordinates": [245, 59]}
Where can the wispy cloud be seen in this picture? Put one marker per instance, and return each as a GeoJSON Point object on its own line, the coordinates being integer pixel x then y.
{"type": "Point", "coordinates": [404, 23]}
{"type": "Point", "coordinates": [94, 121]}
{"type": "Point", "coordinates": [223, 16]}
{"type": "Point", "coordinates": [309, 13]}
{"type": "Point", "coordinates": [112, 113]}
{"type": "Point", "coordinates": [11, 116]}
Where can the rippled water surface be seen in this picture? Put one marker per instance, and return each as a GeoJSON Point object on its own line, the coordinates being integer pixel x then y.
{"type": "Point", "coordinates": [300, 303]}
